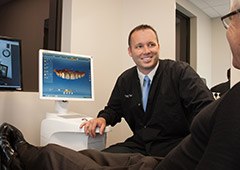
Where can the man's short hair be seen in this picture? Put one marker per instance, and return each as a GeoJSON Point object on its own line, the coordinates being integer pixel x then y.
{"type": "Point", "coordinates": [141, 27]}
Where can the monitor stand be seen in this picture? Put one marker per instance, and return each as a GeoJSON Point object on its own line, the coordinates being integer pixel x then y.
{"type": "Point", "coordinates": [61, 107]}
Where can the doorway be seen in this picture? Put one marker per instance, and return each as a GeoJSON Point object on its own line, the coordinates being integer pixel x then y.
{"type": "Point", "coordinates": [182, 37]}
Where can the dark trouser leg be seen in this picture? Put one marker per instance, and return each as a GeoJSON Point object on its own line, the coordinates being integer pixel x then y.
{"type": "Point", "coordinates": [128, 161]}
{"type": "Point", "coordinates": [126, 147]}
{"type": "Point", "coordinates": [54, 157]}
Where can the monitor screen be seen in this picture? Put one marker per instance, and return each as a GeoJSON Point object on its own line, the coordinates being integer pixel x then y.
{"type": "Point", "coordinates": [65, 76]}
{"type": "Point", "coordinates": [10, 64]}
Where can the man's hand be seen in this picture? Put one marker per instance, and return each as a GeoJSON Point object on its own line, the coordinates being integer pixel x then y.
{"type": "Point", "coordinates": [91, 125]}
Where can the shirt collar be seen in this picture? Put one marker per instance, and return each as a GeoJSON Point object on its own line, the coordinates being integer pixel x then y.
{"type": "Point", "coordinates": [150, 75]}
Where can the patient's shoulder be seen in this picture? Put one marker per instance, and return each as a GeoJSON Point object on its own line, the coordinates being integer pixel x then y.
{"type": "Point", "coordinates": [234, 91]}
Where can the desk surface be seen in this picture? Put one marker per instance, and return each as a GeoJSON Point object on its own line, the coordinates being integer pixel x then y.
{"type": "Point", "coordinates": [64, 129]}
{"type": "Point", "coordinates": [69, 121]}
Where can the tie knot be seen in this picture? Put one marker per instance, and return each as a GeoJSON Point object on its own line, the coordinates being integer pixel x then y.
{"type": "Point", "coordinates": [146, 81]}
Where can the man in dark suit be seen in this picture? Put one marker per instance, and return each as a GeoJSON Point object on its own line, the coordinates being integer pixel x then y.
{"type": "Point", "coordinates": [176, 95]}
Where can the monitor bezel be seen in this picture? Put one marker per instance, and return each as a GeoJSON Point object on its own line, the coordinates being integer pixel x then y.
{"type": "Point", "coordinates": [20, 87]}
{"type": "Point", "coordinates": [41, 52]}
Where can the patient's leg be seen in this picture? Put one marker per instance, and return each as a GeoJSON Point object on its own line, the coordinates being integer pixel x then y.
{"type": "Point", "coordinates": [52, 157]}
{"type": "Point", "coordinates": [55, 157]}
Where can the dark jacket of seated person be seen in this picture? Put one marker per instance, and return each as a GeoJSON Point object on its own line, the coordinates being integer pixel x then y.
{"type": "Point", "coordinates": [177, 94]}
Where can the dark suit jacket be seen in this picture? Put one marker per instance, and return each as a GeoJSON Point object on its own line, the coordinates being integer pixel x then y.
{"type": "Point", "coordinates": [176, 95]}
{"type": "Point", "coordinates": [221, 88]}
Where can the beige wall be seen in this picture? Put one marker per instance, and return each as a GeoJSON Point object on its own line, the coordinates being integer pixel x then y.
{"type": "Point", "coordinates": [100, 29]}
{"type": "Point", "coordinates": [221, 54]}
{"type": "Point", "coordinates": [24, 110]}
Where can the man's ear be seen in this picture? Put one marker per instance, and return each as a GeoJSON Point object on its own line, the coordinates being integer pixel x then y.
{"type": "Point", "coordinates": [130, 51]}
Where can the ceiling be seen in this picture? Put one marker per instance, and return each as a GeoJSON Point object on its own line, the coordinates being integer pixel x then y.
{"type": "Point", "coordinates": [213, 8]}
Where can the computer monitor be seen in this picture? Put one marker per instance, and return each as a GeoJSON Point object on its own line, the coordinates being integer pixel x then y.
{"type": "Point", "coordinates": [10, 64]}
{"type": "Point", "coordinates": [65, 77]}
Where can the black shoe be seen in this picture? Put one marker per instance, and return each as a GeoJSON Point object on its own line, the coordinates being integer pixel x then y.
{"type": "Point", "coordinates": [12, 134]}
{"type": "Point", "coordinates": [2, 166]}
{"type": "Point", "coordinates": [10, 138]}
{"type": "Point", "coordinates": [6, 151]}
